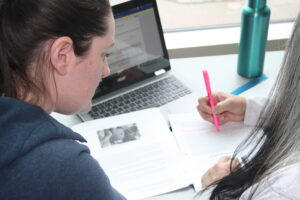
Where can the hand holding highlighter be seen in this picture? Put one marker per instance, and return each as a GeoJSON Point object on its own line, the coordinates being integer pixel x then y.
{"type": "Point", "coordinates": [210, 98]}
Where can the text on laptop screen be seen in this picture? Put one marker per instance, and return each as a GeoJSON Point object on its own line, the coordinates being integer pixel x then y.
{"type": "Point", "coordinates": [136, 31]}
{"type": "Point", "coordinates": [139, 48]}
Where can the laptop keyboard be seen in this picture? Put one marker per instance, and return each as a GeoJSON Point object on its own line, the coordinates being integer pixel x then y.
{"type": "Point", "coordinates": [153, 95]}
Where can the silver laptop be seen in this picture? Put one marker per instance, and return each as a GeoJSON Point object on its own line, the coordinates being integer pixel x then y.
{"type": "Point", "coordinates": [139, 65]}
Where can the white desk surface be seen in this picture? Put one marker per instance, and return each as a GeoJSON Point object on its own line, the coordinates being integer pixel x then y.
{"type": "Point", "coordinates": [224, 77]}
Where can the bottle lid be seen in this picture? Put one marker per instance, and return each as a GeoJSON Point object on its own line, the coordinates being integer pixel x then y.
{"type": "Point", "coordinates": [257, 4]}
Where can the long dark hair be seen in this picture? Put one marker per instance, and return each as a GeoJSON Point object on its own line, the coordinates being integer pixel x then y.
{"type": "Point", "coordinates": [279, 146]}
{"type": "Point", "coordinates": [25, 27]}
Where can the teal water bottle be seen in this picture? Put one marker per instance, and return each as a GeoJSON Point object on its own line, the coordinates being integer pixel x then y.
{"type": "Point", "coordinates": [253, 40]}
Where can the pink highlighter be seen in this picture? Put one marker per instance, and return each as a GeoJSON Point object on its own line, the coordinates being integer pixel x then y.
{"type": "Point", "coordinates": [210, 98]}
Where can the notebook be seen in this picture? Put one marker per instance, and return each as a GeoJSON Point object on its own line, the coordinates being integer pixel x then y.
{"type": "Point", "coordinates": [139, 64]}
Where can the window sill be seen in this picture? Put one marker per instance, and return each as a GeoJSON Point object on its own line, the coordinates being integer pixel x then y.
{"type": "Point", "coordinates": [221, 41]}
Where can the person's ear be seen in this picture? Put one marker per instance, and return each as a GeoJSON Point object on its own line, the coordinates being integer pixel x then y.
{"type": "Point", "coordinates": [62, 55]}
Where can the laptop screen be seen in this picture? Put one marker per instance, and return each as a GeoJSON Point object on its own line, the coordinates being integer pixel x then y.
{"type": "Point", "coordinates": [139, 49]}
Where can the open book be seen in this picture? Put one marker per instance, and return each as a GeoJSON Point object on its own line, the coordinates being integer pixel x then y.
{"type": "Point", "coordinates": [143, 158]}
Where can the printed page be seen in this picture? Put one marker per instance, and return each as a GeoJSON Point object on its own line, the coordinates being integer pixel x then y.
{"type": "Point", "coordinates": [138, 153]}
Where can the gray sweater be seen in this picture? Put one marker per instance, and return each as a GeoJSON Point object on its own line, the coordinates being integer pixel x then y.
{"type": "Point", "coordinates": [282, 184]}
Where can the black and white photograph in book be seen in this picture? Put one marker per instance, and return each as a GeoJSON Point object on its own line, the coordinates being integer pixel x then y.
{"type": "Point", "coordinates": [118, 135]}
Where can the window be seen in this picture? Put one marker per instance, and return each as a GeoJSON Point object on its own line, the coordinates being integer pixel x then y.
{"type": "Point", "coordinates": [194, 14]}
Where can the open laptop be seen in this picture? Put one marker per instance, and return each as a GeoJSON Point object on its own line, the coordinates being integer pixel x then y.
{"type": "Point", "coordinates": [139, 64]}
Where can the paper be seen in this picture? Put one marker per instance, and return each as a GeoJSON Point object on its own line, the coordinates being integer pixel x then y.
{"type": "Point", "coordinates": [143, 158]}
{"type": "Point", "coordinates": [147, 165]}
{"type": "Point", "coordinates": [197, 137]}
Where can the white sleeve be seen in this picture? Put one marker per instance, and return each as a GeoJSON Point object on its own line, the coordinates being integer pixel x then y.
{"type": "Point", "coordinates": [254, 106]}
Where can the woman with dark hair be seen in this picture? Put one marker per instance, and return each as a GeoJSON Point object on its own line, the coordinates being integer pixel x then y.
{"type": "Point", "coordinates": [48, 47]}
{"type": "Point", "coordinates": [272, 167]}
